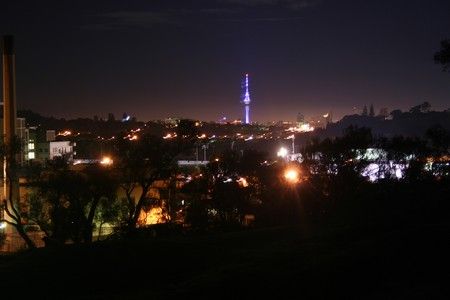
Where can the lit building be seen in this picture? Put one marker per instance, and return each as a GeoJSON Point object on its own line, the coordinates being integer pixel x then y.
{"type": "Point", "coordinates": [50, 135]}
{"type": "Point", "coordinates": [61, 148]}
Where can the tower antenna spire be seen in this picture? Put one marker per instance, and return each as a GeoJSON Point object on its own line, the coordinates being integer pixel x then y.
{"type": "Point", "coordinates": [246, 100]}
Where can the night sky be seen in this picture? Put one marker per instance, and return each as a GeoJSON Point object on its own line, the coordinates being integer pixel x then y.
{"type": "Point", "coordinates": [154, 59]}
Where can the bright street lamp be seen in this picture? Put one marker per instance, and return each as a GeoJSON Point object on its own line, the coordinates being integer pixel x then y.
{"type": "Point", "coordinates": [292, 175]}
{"type": "Point", "coordinates": [283, 152]}
{"type": "Point", "coordinates": [106, 161]}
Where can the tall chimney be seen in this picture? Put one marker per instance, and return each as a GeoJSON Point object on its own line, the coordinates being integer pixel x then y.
{"type": "Point", "coordinates": [9, 89]}
{"type": "Point", "coordinates": [10, 181]}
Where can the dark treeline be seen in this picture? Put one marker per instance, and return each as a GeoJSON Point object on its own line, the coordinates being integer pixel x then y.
{"type": "Point", "coordinates": [412, 123]}
{"type": "Point", "coordinates": [84, 126]}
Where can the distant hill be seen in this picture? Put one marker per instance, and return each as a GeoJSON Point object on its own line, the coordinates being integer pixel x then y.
{"type": "Point", "coordinates": [82, 125]}
{"type": "Point", "coordinates": [406, 124]}
{"type": "Point", "coordinates": [412, 124]}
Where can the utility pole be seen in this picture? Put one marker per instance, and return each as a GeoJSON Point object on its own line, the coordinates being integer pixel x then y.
{"type": "Point", "coordinates": [293, 143]}
{"type": "Point", "coordinates": [204, 151]}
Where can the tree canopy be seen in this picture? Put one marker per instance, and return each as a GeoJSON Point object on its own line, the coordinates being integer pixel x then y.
{"type": "Point", "coordinates": [443, 56]}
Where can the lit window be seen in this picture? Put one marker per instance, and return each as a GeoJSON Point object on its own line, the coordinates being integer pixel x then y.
{"type": "Point", "coordinates": [30, 146]}
{"type": "Point", "coordinates": [31, 155]}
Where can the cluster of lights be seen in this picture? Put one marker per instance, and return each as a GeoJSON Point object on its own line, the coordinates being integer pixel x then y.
{"type": "Point", "coordinates": [65, 133]}
{"type": "Point", "coordinates": [302, 128]}
{"type": "Point", "coordinates": [131, 137]}
{"type": "Point", "coordinates": [170, 136]}
{"type": "Point", "coordinates": [242, 182]}
{"type": "Point", "coordinates": [265, 136]}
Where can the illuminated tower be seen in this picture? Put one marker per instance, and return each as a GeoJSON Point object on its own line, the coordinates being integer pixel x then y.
{"type": "Point", "coordinates": [246, 100]}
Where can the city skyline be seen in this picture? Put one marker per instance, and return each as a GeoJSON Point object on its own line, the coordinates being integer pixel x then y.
{"type": "Point", "coordinates": [176, 59]}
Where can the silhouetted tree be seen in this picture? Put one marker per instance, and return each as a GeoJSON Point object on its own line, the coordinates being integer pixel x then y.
{"type": "Point", "coordinates": [396, 114]}
{"type": "Point", "coordinates": [110, 211]}
{"type": "Point", "coordinates": [102, 189]}
{"type": "Point", "coordinates": [198, 203]}
{"type": "Point", "coordinates": [443, 56]}
{"type": "Point", "coordinates": [11, 205]}
{"type": "Point", "coordinates": [364, 112]}
{"type": "Point", "coordinates": [139, 164]}
{"type": "Point", "coordinates": [66, 201]}
{"type": "Point", "coordinates": [111, 117]}
{"type": "Point", "coordinates": [440, 140]}
{"type": "Point", "coordinates": [383, 112]}
{"type": "Point", "coordinates": [371, 111]}
{"type": "Point", "coordinates": [421, 108]}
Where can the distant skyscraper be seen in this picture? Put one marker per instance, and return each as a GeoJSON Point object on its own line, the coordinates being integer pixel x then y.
{"type": "Point", "coordinates": [246, 100]}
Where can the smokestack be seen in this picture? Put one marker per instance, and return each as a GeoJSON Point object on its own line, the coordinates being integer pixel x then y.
{"type": "Point", "coordinates": [9, 89]}
{"type": "Point", "coordinates": [10, 179]}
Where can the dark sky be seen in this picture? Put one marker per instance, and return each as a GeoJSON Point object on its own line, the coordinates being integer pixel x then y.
{"type": "Point", "coordinates": [155, 59]}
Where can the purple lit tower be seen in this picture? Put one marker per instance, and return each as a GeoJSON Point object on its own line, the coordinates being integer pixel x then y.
{"type": "Point", "coordinates": [246, 100]}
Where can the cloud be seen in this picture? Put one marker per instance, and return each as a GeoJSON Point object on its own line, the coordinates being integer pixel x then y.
{"type": "Point", "coordinates": [147, 19]}
{"type": "Point", "coordinates": [229, 10]}
{"type": "Point", "coordinates": [291, 4]}
{"type": "Point", "coordinates": [121, 19]}
{"type": "Point", "coordinates": [267, 19]}
{"type": "Point", "coordinates": [303, 4]}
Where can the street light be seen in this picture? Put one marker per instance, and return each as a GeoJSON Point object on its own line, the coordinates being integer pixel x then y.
{"type": "Point", "coordinates": [292, 175]}
{"type": "Point", "coordinates": [106, 161]}
{"type": "Point", "coordinates": [283, 152]}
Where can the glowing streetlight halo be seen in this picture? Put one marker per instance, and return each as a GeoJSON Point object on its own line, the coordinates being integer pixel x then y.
{"type": "Point", "coordinates": [106, 161]}
{"type": "Point", "coordinates": [283, 152]}
{"type": "Point", "coordinates": [292, 175]}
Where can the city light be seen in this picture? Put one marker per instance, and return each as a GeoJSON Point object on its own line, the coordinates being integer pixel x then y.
{"type": "Point", "coordinates": [305, 127]}
{"type": "Point", "coordinates": [2, 225]}
{"type": "Point", "coordinates": [283, 152]}
{"type": "Point", "coordinates": [242, 182]}
{"type": "Point", "coordinates": [65, 133]}
{"type": "Point", "coordinates": [106, 161]}
{"type": "Point", "coordinates": [292, 176]}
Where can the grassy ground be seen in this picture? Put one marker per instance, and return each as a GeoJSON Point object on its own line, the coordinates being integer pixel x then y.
{"type": "Point", "coordinates": [331, 262]}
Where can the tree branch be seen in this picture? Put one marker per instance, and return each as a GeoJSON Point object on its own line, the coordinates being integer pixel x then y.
{"type": "Point", "coordinates": [8, 222]}
{"type": "Point", "coordinates": [9, 213]}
